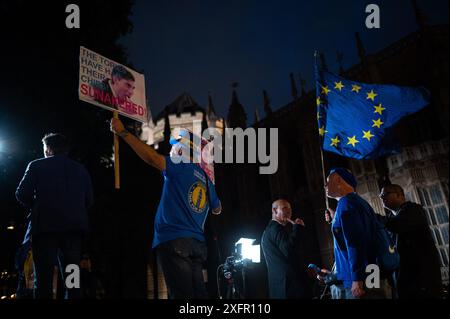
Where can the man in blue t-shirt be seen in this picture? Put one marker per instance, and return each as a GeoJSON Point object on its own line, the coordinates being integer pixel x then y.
{"type": "Point", "coordinates": [187, 195]}
{"type": "Point", "coordinates": [353, 236]}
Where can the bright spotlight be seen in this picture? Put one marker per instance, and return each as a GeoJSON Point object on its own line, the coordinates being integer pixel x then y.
{"type": "Point", "coordinates": [248, 250]}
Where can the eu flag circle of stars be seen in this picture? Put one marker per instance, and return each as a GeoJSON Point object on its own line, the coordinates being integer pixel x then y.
{"type": "Point", "coordinates": [351, 140]}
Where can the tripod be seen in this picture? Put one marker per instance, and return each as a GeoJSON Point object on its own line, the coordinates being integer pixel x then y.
{"type": "Point", "coordinates": [234, 285]}
{"type": "Point", "coordinates": [233, 288]}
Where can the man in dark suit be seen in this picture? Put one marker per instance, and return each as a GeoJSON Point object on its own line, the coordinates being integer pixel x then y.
{"type": "Point", "coordinates": [286, 270]}
{"type": "Point", "coordinates": [58, 190]}
{"type": "Point", "coordinates": [419, 275]}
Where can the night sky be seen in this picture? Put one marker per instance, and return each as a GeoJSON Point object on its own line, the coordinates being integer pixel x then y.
{"type": "Point", "coordinates": [201, 46]}
{"type": "Point", "coordinates": [194, 46]}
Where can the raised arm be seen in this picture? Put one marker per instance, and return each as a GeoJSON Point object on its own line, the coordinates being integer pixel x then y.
{"type": "Point", "coordinates": [147, 153]}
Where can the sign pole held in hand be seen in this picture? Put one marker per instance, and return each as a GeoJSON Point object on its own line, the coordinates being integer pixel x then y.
{"type": "Point", "coordinates": [116, 157]}
{"type": "Point", "coordinates": [114, 87]}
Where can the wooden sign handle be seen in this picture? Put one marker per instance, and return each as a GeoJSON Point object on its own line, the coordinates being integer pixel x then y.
{"type": "Point", "coordinates": [116, 158]}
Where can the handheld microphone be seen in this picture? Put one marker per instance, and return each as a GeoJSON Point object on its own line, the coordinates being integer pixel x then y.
{"type": "Point", "coordinates": [315, 268]}
{"type": "Point", "coordinates": [327, 277]}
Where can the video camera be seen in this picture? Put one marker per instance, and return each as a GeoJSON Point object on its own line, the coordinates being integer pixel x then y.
{"type": "Point", "coordinates": [244, 256]}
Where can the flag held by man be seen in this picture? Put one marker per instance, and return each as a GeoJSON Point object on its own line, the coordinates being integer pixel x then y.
{"type": "Point", "coordinates": [355, 118]}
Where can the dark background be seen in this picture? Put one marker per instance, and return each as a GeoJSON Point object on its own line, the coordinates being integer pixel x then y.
{"type": "Point", "coordinates": [194, 46]}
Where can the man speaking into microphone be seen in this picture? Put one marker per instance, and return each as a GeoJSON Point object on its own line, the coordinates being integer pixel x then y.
{"type": "Point", "coordinates": [286, 270]}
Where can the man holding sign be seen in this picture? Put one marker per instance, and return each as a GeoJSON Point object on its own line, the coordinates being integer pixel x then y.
{"type": "Point", "coordinates": [187, 196]}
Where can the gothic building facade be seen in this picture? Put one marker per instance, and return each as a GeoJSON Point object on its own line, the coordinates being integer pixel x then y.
{"type": "Point", "coordinates": [419, 59]}
{"type": "Point", "coordinates": [183, 112]}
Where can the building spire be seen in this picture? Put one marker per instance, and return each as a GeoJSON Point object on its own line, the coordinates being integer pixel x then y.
{"type": "Point", "coordinates": [360, 47]}
{"type": "Point", "coordinates": [236, 114]}
{"type": "Point", "coordinates": [204, 124]}
{"type": "Point", "coordinates": [267, 107]}
{"type": "Point", "coordinates": [294, 91]}
{"type": "Point", "coordinates": [421, 18]}
{"type": "Point", "coordinates": [210, 110]}
{"type": "Point", "coordinates": [323, 62]}
{"type": "Point", "coordinates": [257, 117]}
{"type": "Point", "coordinates": [339, 59]}
{"type": "Point", "coordinates": [302, 84]}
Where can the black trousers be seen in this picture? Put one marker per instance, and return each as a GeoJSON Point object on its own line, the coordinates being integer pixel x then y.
{"type": "Point", "coordinates": [52, 249]}
{"type": "Point", "coordinates": [182, 262]}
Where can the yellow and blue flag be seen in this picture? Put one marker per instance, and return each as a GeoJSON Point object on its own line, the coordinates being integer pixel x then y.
{"type": "Point", "coordinates": [355, 118]}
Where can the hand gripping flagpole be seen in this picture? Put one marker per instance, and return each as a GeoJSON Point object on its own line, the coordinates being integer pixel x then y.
{"type": "Point", "coordinates": [316, 70]}
{"type": "Point", "coordinates": [116, 158]}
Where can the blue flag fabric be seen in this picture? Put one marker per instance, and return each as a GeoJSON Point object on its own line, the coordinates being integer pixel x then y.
{"type": "Point", "coordinates": [355, 118]}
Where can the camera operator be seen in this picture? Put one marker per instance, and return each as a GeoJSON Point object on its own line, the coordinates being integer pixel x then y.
{"type": "Point", "coordinates": [286, 271]}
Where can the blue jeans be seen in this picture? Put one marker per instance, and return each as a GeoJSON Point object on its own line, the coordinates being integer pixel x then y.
{"type": "Point", "coordinates": [182, 263]}
{"type": "Point", "coordinates": [373, 293]}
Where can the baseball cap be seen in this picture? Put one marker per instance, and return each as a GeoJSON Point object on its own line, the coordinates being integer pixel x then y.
{"type": "Point", "coordinates": [345, 174]}
{"type": "Point", "coordinates": [184, 138]}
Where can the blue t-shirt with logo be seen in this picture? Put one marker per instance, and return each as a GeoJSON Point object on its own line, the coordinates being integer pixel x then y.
{"type": "Point", "coordinates": [184, 206]}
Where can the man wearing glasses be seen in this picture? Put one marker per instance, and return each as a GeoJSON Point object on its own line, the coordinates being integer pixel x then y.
{"type": "Point", "coordinates": [419, 275]}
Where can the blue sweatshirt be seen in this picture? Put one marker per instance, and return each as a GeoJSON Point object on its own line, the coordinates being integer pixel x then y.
{"type": "Point", "coordinates": [352, 233]}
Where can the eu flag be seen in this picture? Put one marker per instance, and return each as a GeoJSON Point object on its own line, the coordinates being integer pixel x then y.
{"type": "Point", "coordinates": [355, 118]}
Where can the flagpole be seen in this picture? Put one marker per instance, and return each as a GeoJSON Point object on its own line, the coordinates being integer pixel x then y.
{"type": "Point", "coordinates": [327, 204]}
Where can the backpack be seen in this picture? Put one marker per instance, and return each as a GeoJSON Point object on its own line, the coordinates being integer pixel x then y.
{"type": "Point", "coordinates": [386, 253]}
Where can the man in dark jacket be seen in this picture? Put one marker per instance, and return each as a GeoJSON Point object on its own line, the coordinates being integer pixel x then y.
{"type": "Point", "coordinates": [58, 190]}
{"type": "Point", "coordinates": [286, 271]}
{"type": "Point", "coordinates": [419, 275]}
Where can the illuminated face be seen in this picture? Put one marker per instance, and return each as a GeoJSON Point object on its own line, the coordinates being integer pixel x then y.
{"type": "Point", "coordinates": [47, 152]}
{"type": "Point", "coordinates": [282, 211]}
{"type": "Point", "coordinates": [123, 88]}
{"type": "Point", "coordinates": [332, 185]}
{"type": "Point", "coordinates": [390, 199]}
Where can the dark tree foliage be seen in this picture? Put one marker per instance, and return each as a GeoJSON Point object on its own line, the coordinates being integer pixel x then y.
{"type": "Point", "coordinates": [38, 94]}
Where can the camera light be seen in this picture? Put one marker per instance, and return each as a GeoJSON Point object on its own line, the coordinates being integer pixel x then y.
{"type": "Point", "coordinates": [248, 250]}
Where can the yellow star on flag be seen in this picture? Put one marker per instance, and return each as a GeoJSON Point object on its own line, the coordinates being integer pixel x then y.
{"type": "Point", "coordinates": [377, 123]}
{"type": "Point", "coordinates": [379, 109]}
{"type": "Point", "coordinates": [325, 90]}
{"type": "Point", "coordinates": [335, 141]}
{"type": "Point", "coordinates": [352, 141]}
{"type": "Point", "coordinates": [371, 95]}
{"type": "Point", "coordinates": [322, 131]}
{"type": "Point", "coordinates": [368, 135]}
{"type": "Point", "coordinates": [318, 101]}
{"type": "Point", "coordinates": [338, 85]}
{"type": "Point", "coordinates": [356, 88]}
